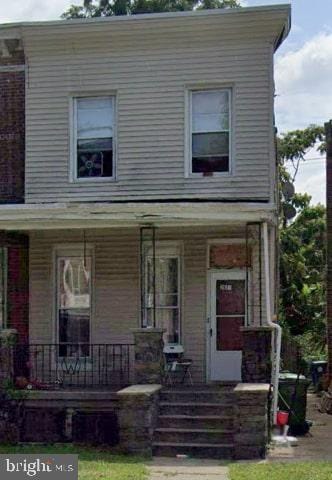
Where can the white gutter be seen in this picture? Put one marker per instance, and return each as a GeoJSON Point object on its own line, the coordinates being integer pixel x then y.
{"type": "Point", "coordinates": [277, 329]}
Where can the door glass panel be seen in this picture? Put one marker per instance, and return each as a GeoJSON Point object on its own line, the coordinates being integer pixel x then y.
{"type": "Point", "coordinates": [229, 335]}
{"type": "Point", "coordinates": [230, 297]}
{"type": "Point", "coordinates": [230, 314]}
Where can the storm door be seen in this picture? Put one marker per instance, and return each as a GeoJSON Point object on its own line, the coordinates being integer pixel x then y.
{"type": "Point", "coordinates": [228, 315]}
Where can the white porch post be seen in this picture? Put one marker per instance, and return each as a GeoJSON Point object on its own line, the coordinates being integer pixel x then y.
{"type": "Point", "coordinates": [276, 345]}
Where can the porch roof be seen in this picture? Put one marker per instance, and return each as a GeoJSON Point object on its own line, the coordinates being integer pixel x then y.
{"type": "Point", "coordinates": [108, 215]}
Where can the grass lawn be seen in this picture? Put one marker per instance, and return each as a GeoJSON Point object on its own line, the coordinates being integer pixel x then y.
{"type": "Point", "coordinates": [282, 471]}
{"type": "Point", "coordinates": [94, 463]}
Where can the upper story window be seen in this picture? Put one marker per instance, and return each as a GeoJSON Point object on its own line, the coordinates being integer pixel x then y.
{"type": "Point", "coordinates": [210, 131]}
{"type": "Point", "coordinates": [94, 126]}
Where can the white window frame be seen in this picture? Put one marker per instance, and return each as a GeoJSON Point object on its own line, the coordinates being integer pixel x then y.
{"type": "Point", "coordinates": [73, 138]}
{"type": "Point", "coordinates": [169, 249]}
{"type": "Point", "coordinates": [188, 129]}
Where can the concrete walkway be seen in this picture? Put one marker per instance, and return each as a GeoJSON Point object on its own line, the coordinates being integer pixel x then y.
{"type": "Point", "coordinates": [161, 468]}
{"type": "Point", "coordinates": [314, 446]}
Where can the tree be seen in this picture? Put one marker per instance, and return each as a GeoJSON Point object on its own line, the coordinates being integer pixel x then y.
{"type": "Point", "coordinates": [293, 145]}
{"type": "Point", "coordinates": [105, 8]}
{"type": "Point", "coordinates": [292, 148]}
{"type": "Point", "coordinates": [302, 246]}
{"type": "Point", "coordinates": [302, 268]}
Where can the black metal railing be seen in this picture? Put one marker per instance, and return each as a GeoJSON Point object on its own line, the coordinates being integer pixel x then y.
{"type": "Point", "coordinates": [46, 366]}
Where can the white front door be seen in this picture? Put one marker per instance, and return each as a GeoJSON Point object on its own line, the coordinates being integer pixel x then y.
{"type": "Point", "coordinates": [228, 313]}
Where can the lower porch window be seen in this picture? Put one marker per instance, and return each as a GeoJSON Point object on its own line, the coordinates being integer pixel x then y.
{"type": "Point", "coordinates": [162, 291]}
{"type": "Point", "coordinates": [74, 306]}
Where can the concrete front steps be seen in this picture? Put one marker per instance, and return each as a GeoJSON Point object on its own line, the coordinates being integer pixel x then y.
{"type": "Point", "coordinates": [195, 421]}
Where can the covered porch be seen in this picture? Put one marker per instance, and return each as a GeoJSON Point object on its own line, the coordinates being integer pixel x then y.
{"type": "Point", "coordinates": [96, 274]}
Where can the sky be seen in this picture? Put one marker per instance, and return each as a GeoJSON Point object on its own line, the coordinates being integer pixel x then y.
{"type": "Point", "coordinates": [303, 70]}
{"type": "Point", "coordinates": [303, 75]}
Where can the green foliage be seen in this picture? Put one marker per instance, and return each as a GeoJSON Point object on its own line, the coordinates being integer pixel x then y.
{"type": "Point", "coordinates": [93, 463]}
{"type": "Point", "coordinates": [312, 345]}
{"type": "Point", "coordinates": [12, 393]}
{"type": "Point", "coordinates": [302, 249]}
{"type": "Point", "coordinates": [293, 145]}
{"type": "Point", "coordinates": [302, 268]}
{"type": "Point", "coordinates": [276, 471]}
{"type": "Point", "coordinates": [292, 148]}
{"type": "Point", "coordinates": [105, 8]}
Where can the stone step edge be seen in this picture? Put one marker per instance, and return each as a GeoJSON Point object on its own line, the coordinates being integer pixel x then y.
{"type": "Point", "coordinates": [207, 392]}
{"type": "Point", "coordinates": [194, 404]}
{"type": "Point", "coordinates": [193, 445]}
{"type": "Point", "coordinates": [196, 417]}
{"type": "Point", "coordinates": [193, 430]}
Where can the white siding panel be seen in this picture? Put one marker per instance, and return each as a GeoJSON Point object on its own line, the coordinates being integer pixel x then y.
{"type": "Point", "coordinates": [116, 284]}
{"type": "Point", "coordinates": [150, 69]}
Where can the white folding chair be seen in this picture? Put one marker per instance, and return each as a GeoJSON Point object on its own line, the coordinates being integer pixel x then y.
{"type": "Point", "coordinates": [175, 364]}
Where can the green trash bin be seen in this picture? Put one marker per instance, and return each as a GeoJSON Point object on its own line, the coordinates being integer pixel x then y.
{"type": "Point", "coordinates": [293, 394]}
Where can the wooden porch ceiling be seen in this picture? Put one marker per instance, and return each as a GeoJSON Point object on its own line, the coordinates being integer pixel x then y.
{"type": "Point", "coordinates": [99, 215]}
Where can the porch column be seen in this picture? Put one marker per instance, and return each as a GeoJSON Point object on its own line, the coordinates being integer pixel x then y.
{"type": "Point", "coordinates": [256, 354]}
{"type": "Point", "coordinates": [149, 359]}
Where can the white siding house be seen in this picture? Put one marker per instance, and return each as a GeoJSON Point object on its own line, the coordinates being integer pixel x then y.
{"type": "Point", "coordinates": [163, 122]}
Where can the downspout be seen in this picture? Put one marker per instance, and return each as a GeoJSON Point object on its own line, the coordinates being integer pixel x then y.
{"type": "Point", "coordinates": [277, 329]}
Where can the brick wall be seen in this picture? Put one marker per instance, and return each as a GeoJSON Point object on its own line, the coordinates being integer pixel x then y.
{"type": "Point", "coordinates": [12, 128]}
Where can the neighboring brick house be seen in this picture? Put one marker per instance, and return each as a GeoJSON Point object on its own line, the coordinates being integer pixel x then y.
{"type": "Point", "coordinates": [149, 203]}
{"type": "Point", "coordinates": [13, 254]}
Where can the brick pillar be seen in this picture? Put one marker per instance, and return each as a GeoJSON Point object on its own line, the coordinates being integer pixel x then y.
{"type": "Point", "coordinates": [149, 359]}
{"type": "Point", "coordinates": [137, 418]}
{"type": "Point", "coordinates": [251, 425]}
{"type": "Point", "coordinates": [256, 355]}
